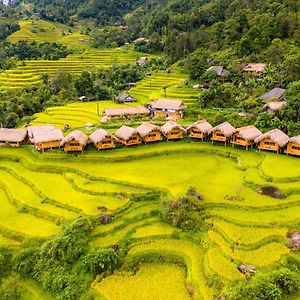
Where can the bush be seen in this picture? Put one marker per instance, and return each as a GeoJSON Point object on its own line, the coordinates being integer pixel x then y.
{"type": "Point", "coordinates": [183, 212]}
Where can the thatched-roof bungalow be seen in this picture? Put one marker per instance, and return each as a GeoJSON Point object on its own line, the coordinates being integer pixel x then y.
{"type": "Point", "coordinates": [273, 107]}
{"type": "Point", "coordinates": [245, 136]}
{"type": "Point", "coordinates": [125, 98]}
{"type": "Point", "coordinates": [12, 137]}
{"type": "Point", "coordinates": [272, 140]}
{"type": "Point", "coordinates": [293, 146]}
{"type": "Point", "coordinates": [222, 133]}
{"type": "Point", "coordinates": [75, 141]}
{"type": "Point", "coordinates": [219, 70]}
{"type": "Point", "coordinates": [172, 131]}
{"type": "Point", "coordinates": [254, 68]}
{"type": "Point", "coordinates": [128, 136]}
{"type": "Point", "coordinates": [128, 112]}
{"type": "Point", "coordinates": [102, 139]}
{"type": "Point", "coordinates": [163, 108]}
{"type": "Point", "coordinates": [149, 132]}
{"type": "Point", "coordinates": [274, 94]}
{"type": "Point", "coordinates": [45, 137]}
{"type": "Point", "coordinates": [199, 130]}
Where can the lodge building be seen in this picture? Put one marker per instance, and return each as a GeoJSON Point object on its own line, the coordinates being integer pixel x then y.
{"type": "Point", "coordinates": [222, 133]}
{"type": "Point", "coordinates": [199, 130]}
{"type": "Point", "coordinates": [164, 108]}
{"type": "Point", "coordinates": [245, 136]}
{"type": "Point", "coordinates": [293, 146]}
{"type": "Point", "coordinates": [12, 137]}
{"type": "Point", "coordinates": [172, 131]}
{"type": "Point", "coordinates": [128, 136]}
{"type": "Point", "coordinates": [102, 139]}
{"type": "Point", "coordinates": [149, 133]}
{"type": "Point", "coordinates": [75, 141]}
{"type": "Point", "coordinates": [273, 140]}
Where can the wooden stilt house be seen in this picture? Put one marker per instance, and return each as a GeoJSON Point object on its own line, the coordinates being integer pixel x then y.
{"type": "Point", "coordinates": [199, 130]}
{"type": "Point", "coordinates": [75, 141]}
{"type": "Point", "coordinates": [12, 137]}
{"type": "Point", "coordinates": [245, 136]}
{"type": "Point", "coordinates": [102, 139]}
{"type": "Point", "coordinates": [273, 140]}
{"type": "Point", "coordinates": [293, 146]}
{"type": "Point", "coordinates": [45, 137]}
{"type": "Point", "coordinates": [172, 131]}
{"type": "Point", "coordinates": [149, 133]}
{"type": "Point", "coordinates": [128, 136]}
{"type": "Point", "coordinates": [222, 133]}
{"type": "Point", "coordinates": [163, 108]}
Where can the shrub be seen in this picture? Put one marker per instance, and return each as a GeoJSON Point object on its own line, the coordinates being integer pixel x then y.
{"type": "Point", "coordinates": [183, 212]}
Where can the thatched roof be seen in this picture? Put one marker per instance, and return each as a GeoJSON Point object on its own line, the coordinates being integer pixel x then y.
{"type": "Point", "coordinates": [12, 135]}
{"type": "Point", "coordinates": [76, 135]}
{"type": "Point", "coordinates": [47, 136]}
{"type": "Point", "coordinates": [248, 132]}
{"type": "Point", "coordinates": [99, 135]}
{"type": "Point", "coordinates": [39, 129]}
{"type": "Point", "coordinates": [201, 125]}
{"type": "Point", "coordinates": [170, 125]}
{"type": "Point", "coordinates": [274, 106]}
{"type": "Point", "coordinates": [276, 93]}
{"type": "Point", "coordinates": [276, 135]}
{"type": "Point", "coordinates": [254, 67]}
{"type": "Point", "coordinates": [146, 128]}
{"type": "Point", "coordinates": [126, 98]}
{"type": "Point", "coordinates": [124, 111]}
{"type": "Point", "coordinates": [226, 128]}
{"type": "Point", "coordinates": [125, 133]}
{"type": "Point", "coordinates": [219, 70]}
{"type": "Point", "coordinates": [167, 104]}
{"type": "Point", "coordinates": [142, 60]}
{"type": "Point", "coordinates": [295, 139]}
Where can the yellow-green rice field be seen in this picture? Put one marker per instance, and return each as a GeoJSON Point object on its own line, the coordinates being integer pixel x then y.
{"type": "Point", "coordinates": [40, 192]}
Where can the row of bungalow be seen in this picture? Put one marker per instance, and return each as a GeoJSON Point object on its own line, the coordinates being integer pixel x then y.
{"type": "Point", "coordinates": [48, 137]}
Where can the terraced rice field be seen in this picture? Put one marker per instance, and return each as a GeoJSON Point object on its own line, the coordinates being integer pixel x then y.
{"type": "Point", "coordinates": [29, 73]}
{"type": "Point", "coordinates": [46, 31]}
{"type": "Point", "coordinates": [251, 229]}
{"type": "Point", "coordinates": [152, 88]}
{"type": "Point", "coordinates": [75, 114]}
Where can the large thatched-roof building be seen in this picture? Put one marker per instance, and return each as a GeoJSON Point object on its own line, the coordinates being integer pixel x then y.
{"type": "Point", "coordinates": [149, 132]}
{"type": "Point", "coordinates": [199, 129]}
{"type": "Point", "coordinates": [222, 133]}
{"type": "Point", "coordinates": [245, 136]}
{"type": "Point", "coordinates": [75, 141]}
{"type": "Point", "coordinates": [128, 136]}
{"type": "Point", "coordinates": [45, 137]}
{"type": "Point", "coordinates": [102, 139]}
{"type": "Point", "coordinates": [12, 137]}
{"type": "Point", "coordinates": [128, 112]}
{"type": "Point", "coordinates": [273, 140]}
{"type": "Point", "coordinates": [172, 130]}
{"type": "Point", "coordinates": [293, 146]}
{"type": "Point", "coordinates": [163, 108]}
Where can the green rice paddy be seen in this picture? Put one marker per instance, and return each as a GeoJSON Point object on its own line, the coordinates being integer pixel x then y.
{"type": "Point", "coordinates": [29, 72]}
{"type": "Point", "coordinates": [249, 230]}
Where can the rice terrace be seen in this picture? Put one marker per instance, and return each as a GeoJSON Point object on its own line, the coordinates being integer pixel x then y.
{"type": "Point", "coordinates": [149, 150]}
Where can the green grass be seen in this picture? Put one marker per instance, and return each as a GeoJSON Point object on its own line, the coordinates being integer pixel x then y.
{"type": "Point", "coordinates": [150, 282]}
{"type": "Point", "coordinates": [251, 229]}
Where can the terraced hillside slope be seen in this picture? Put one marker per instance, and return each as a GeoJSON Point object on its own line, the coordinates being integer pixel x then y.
{"type": "Point", "coordinates": [244, 226]}
{"type": "Point", "coordinates": [152, 87]}
{"type": "Point", "coordinates": [29, 73]}
{"type": "Point", "coordinates": [45, 31]}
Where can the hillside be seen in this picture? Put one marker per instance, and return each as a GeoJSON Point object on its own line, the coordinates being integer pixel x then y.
{"type": "Point", "coordinates": [184, 211]}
